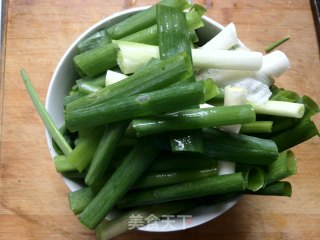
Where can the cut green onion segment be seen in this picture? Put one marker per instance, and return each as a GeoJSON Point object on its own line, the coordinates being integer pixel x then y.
{"type": "Point", "coordinates": [276, 44]}
{"type": "Point", "coordinates": [278, 108]}
{"type": "Point", "coordinates": [47, 120]}
{"type": "Point", "coordinates": [257, 127]}
{"type": "Point", "coordinates": [194, 118]}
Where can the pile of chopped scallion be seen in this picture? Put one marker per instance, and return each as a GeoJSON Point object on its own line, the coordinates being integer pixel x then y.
{"type": "Point", "coordinates": [157, 124]}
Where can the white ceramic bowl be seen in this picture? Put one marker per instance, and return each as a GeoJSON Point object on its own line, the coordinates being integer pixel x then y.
{"type": "Point", "coordinates": [60, 85]}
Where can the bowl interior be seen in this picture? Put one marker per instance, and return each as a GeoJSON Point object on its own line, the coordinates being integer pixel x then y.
{"type": "Point", "coordinates": [60, 85]}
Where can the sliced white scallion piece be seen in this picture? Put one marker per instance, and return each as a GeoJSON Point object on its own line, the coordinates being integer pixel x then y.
{"type": "Point", "coordinates": [274, 64]}
{"type": "Point", "coordinates": [232, 96]}
{"type": "Point", "coordinates": [224, 40]}
{"type": "Point", "coordinates": [113, 77]}
{"type": "Point", "coordinates": [133, 56]}
{"type": "Point", "coordinates": [280, 108]}
{"type": "Point", "coordinates": [227, 59]}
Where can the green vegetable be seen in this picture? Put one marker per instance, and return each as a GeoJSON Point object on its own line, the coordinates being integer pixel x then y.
{"type": "Point", "coordinates": [303, 131]}
{"type": "Point", "coordinates": [105, 151]}
{"type": "Point", "coordinates": [87, 87]}
{"type": "Point", "coordinates": [62, 164]}
{"type": "Point", "coordinates": [191, 189]}
{"type": "Point", "coordinates": [279, 108]}
{"type": "Point", "coordinates": [143, 19]}
{"type": "Point", "coordinates": [257, 127]}
{"type": "Point", "coordinates": [156, 179]}
{"type": "Point", "coordinates": [84, 151]}
{"type": "Point", "coordinates": [283, 167]}
{"type": "Point", "coordinates": [276, 44]}
{"type": "Point", "coordinates": [97, 60]}
{"type": "Point", "coordinates": [280, 188]}
{"type": "Point", "coordinates": [173, 35]}
{"type": "Point", "coordinates": [195, 118]}
{"type": "Point", "coordinates": [239, 148]}
{"type": "Point", "coordinates": [181, 162]}
{"type": "Point", "coordinates": [46, 119]}
{"type": "Point", "coordinates": [96, 81]}
{"type": "Point", "coordinates": [79, 200]}
{"type": "Point", "coordinates": [150, 35]}
{"type": "Point", "coordinates": [68, 136]}
{"type": "Point", "coordinates": [253, 175]}
{"type": "Point", "coordinates": [165, 100]}
{"type": "Point", "coordinates": [97, 39]}
{"type": "Point", "coordinates": [121, 180]}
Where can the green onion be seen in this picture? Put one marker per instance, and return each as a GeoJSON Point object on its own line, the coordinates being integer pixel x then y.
{"type": "Point", "coordinates": [62, 165]}
{"type": "Point", "coordinates": [194, 118]}
{"type": "Point", "coordinates": [291, 137]}
{"type": "Point", "coordinates": [278, 108]}
{"type": "Point", "coordinates": [253, 175]}
{"type": "Point", "coordinates": [191, 189]}
{"type": "Point", "coordinates": [71, 98]}
{"type": "Point", "coordinates": [79, 200]}
{"type": "Point", "coordinates": [147, 36]}
{"type": "Point", "coordinates": [119, 183]}
{"type": "Point", "coordinates": [46, 119]}
{"type": "Point", "coordinates": [84, 151]}
{"type": "Point", "coordinates": [181, 162]}
{"type": "Point", "coordinates": [283, 167]}
{"type": "Point", "coordinates": [87, 87]}
{"type": "Point", "coordinates": [286, 96]}
{"type": "Point", "coordinates": [94, 41]}
{"type": "Point", "coordinates": [156, 179]}
{"type": "Point", "coordinates": [276, 44]}
{"type": "Point", "coordinates": [173, 35]}
{"type": "Point", "coordinates": [105, 151]}
{"type": "Point", "coordinates": [239, 148]}
{"type": "Point", "coordinates": [282, 123]}
{"type": "Point", "coordinates": [257, 127]}
{"type": "Point", "coordinates": [280, 188]}
{"type": "Point", "coordinates": [165, 100]}
{"type": "Point", "coordinates": [68, 136]}
{"type": "Point", "coordinates": [96, 81]}
{"type": "Point", "coordinates": [143, 19]}
{"type": "Point", "coordinates": [311, 107]}
{"type": "Point", "coordinates": [150, 34]}
{"type": "Point", "coordinates": [97, 60]}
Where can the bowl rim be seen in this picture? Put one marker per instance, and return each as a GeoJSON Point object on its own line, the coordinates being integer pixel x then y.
{"type": "Point", "coordinates": [203, 217]}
